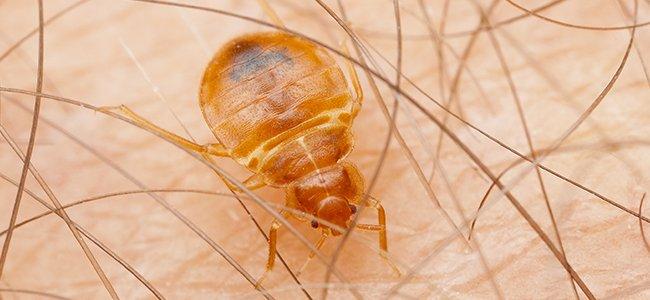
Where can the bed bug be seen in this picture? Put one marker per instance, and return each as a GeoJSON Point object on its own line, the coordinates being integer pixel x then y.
{"type": "Point", "coordinates": [281, 106]}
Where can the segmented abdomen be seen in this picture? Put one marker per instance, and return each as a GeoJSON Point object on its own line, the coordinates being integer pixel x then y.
{"type": "Point", "coordinates": [279, 103]}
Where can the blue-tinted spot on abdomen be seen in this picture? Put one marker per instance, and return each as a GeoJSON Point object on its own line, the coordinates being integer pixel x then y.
{"type": "Point", "coordinates": [252, 60]}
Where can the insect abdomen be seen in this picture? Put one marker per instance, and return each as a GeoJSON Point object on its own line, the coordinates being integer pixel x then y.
{"type": "Point", "coordinates": [317, 148]}
{"type": "Point", "coordinates": [279, 103]}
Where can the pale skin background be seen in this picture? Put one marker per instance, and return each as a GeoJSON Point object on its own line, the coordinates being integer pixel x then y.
{"type": "Point", "coordinates": [91, 54]}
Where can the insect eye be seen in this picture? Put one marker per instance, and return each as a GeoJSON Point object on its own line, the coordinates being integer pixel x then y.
{"type": "Point", "coordinates": [353, 208]}
{"type": "Point", "coordinates": [314, 224]}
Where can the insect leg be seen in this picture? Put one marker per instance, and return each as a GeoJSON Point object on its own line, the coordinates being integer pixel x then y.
{"type": "Point", "coordinates": [210, 149]}
{"type": "Point", "coordinates": [273, 240]}
{"type": "Point", "coordinates": [253, 182]}
{"type": "Point", "coordinates": [381, 229]}
{"type": "Point", "coordinates": [256, 181]}
{"type": "Point", "coordinates": [318, 245]}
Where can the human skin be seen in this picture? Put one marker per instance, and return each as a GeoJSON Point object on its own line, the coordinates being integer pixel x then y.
{"type": "Point", "coordinates": [90, 54]}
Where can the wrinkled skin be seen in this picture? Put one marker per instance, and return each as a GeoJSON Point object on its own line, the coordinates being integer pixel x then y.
{"type": "Point", "coordinates": [84, 60]}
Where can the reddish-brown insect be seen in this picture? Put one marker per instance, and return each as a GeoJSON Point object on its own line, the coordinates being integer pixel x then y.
{"type": "Point", "coordinates": [280, 106]}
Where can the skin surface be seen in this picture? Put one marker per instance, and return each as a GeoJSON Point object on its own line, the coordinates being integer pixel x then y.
{"type": "Point", "coordinates": [91, 54]}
